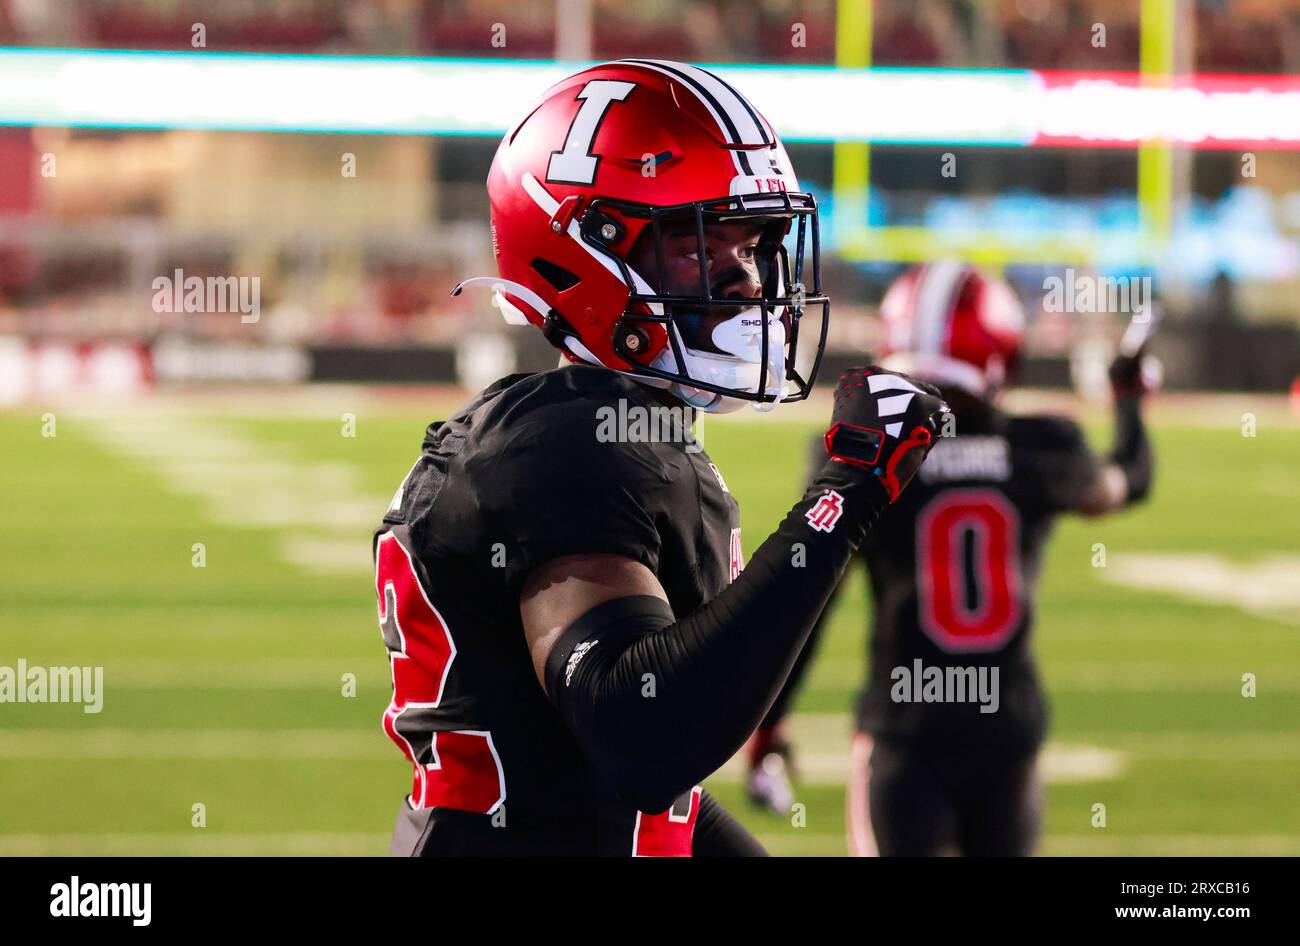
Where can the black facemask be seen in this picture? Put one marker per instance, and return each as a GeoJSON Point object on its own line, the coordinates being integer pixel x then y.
{"type": "Point", "coordinates": [789, 234]}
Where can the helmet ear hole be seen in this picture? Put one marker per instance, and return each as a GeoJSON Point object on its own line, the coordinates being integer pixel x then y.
{"type": "Point", "coordinates": [556, 275]}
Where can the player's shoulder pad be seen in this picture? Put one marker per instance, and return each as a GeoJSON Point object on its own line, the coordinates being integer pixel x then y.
{"type": "Point", "coordinates": [592, 422]}
{"type": "Point", "coordinates": [1045, 431]}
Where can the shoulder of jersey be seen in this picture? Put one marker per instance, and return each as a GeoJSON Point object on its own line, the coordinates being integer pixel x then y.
{"type": "Point", "coordinates": [575, 391]}
{"type": "Point", "coordinates": [1045, 431]}
{"type": "Point", "coordinates": [569, 413]}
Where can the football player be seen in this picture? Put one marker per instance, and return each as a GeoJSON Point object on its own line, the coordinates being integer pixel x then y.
{"type": "Point", "coordinates": [574, 644]}
{"type": "Point", "coordinates": [952, 569]}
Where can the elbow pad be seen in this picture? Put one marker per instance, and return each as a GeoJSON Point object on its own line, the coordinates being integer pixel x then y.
{"type": "Point", "coordinates": [606, 694]}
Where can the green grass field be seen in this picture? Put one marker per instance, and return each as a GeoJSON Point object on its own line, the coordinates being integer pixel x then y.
{"type": "Point", "coordinates": [223, 683]}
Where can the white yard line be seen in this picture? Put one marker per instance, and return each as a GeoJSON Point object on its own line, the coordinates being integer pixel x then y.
{"type": "Point", "coordinates": [263, 673]}
{"type": "Point", "coordinates": [303, 401]}
{"type": "Point", "coordinates": [821, 745]}
{"type": "Point", "coordinates": [281, 673]}
{"type": "Point", "coordinates": [199, 744]}
{"type": "Point", "coordinates": [1080, 676]}
{"type": "Point", "coordinates": [1268, 587]}
{"type": "Point", "coordinates": [199, 841]}
{"type": "Point", "coordinates": [1236, 746]}
{"type": "Point", "coordinates": [319, 509]}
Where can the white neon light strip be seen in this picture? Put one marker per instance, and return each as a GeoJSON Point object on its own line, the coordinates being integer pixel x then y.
{"type": "Point", "coordinates": [483, 97]}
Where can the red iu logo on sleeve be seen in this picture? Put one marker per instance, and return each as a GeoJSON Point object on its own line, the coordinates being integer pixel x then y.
{"type": "Point", "coordinates": [737, 556]}
{"type": "Point", "coordinates": [826, 512]}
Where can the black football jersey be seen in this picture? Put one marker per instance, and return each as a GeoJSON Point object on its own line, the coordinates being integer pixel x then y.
{"type": "Point", "coordinates": [953, 567]}
{"type": "Point", "coordinates": [570, 461]}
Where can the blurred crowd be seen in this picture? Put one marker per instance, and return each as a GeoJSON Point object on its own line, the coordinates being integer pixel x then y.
{"type": "Point", "coordinates": [371, 260]}
{"type": "Point", "coordinates": [1232, 35]}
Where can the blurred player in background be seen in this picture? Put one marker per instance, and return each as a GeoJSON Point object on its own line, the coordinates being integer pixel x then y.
{"type": "Point", "coordinates": [953, 568]}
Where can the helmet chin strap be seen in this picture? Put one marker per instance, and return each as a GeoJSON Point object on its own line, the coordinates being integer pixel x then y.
{"type": "Point", "coordinates": [705, 401]}
{"type": "Point", "coordinates": [698, 398]}
{"type": "Point", "coordinates": [738, 369]}
{"type": "Point", "coordinates": [764, 407]}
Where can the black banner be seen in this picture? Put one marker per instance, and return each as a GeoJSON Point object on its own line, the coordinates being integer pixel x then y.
{"type": "Point", "coordinates": [216, 895]}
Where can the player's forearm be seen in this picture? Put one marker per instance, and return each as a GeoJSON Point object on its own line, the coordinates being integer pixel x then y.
{"type": "Point", "coordinates": [659, 703]}
{"type": "Point", "coordinates": [1132, 452]}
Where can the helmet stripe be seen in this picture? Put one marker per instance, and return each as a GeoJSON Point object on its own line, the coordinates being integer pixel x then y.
{"type": "Point", "coordinates": [743, 115]}
{"type": "Point", "coordinates": [721, 115]}
{"type": "Point", "coordinates": [738, 109]}
{"type": "Point", "coordinates": [764, 130]}
{"type": "Point", "coordinates": [935, 296]}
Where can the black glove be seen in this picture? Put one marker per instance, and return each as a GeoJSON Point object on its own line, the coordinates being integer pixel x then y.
{"type": "Point", "coordinates": [1134, 375]}
{"type": "Point", "coordinates": [885, 423]}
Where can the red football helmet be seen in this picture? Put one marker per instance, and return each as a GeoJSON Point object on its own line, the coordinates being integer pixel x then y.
{"type": "Point", "coordinates": [948, 323]}
{"type": "Point", "coordinates": [612, 162]}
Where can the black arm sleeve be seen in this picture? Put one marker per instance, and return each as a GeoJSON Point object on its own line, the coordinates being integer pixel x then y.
{"type": "Point", "coordinates": [1132, 450]}
{"type": "Point", "coordinates": [776, 713]}
{"type": "Point", "coordinates": [658, 703]}
{"type": "Point", "coordinates": [719, 834]}
{"type": "Point", "coordinates": [780, 708]}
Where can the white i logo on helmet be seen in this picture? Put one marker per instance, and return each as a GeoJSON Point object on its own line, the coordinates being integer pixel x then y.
{"type": "Point", "coordinates": [576, 164]}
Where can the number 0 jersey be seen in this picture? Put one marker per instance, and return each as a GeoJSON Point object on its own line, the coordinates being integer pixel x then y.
{"type": "Point", "coordinates": [571, 461]}
{"type": "Point", "coordinates": [953, 569]}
